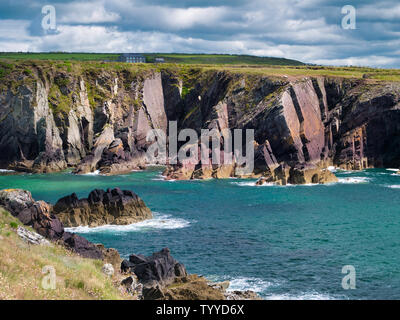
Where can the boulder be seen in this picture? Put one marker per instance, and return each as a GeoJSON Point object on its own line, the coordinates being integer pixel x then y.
{"type": "Point", "coordinates": [110, 255]}
{"type": "Point", "coordinates": [15, 200]}
{"type": "Point", "coordinates": [39, 217]}
{"type": "Point", "coordinates": [31, 237]}
{"type": "Point", "coordinates": [160, 268]}
{"type": "Point", "coordinates": [132, 286]}
{"type": "Point", "coordinates": [81, 246]}
{"type": "Point", "coordinates": [36, 214]}
{"type": "Point", "coordinates": [116, 206]}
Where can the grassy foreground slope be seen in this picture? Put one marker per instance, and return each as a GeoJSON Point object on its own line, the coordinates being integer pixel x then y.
{"type": "Point", "coordinates": [21, 268]}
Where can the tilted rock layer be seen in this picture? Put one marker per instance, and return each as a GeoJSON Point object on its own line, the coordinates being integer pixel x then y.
{"type": "Point", "coordinates": [97, 118]}
{"type": "Point", "coordinates": [117, 207]}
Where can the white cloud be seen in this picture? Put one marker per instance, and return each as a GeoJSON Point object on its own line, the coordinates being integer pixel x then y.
{"type": "Point", "coordinates": [86, 13]}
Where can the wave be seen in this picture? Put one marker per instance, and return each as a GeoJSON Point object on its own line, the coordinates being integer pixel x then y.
{"type": "Point", "coordinates": [160, 221]}
{"type": "Point", "coordinates": [302, 296]}
{"type": "Point", "coordinates": [253, 284]}
{"type": "Point", "coordinates": [394, 186]}
{"type": "Point", "coordinates": [6, 170]}
{"type": "Point", "coordinates": [396, 170]}
{"type": "Point", "coordinates": [160, 177]}
{"type": "Point", "coordinates": [352, 180]}
{"type": "Point", "coordinates": [94, 173]}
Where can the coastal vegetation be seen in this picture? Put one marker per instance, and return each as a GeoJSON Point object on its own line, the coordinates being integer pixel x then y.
{"type": "Point", "coordinates": [21, 267]}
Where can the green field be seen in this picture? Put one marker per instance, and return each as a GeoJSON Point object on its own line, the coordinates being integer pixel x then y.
{"type": "Point", "coordinates": [169, 58]}
{"type": "Point", "coordinates": [59, 56]}
{"type": "Point", "coordinates": [12, 63]}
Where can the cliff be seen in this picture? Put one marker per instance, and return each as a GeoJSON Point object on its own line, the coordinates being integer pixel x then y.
{"type": "Point", "coordinates": [96, 117]}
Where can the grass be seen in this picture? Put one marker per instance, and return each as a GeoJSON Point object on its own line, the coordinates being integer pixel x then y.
{"type": "Point", "coordinates": [180, 58]}
{"type": "Point", "coordinates": [58, 56]}
{"type": "Point", "coordinates": [229, 59]}
{"type": "Point", "coordinates": [21, 268]}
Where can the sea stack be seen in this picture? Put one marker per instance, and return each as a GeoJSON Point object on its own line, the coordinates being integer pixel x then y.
{"type": "Point", "coordinates": [116, 206]}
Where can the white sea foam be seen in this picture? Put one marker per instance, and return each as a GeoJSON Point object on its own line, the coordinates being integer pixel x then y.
{"type": "Point", "coordinates": [394, 186]}
{"type": "Point", "coordinates": [160, 221]}
{"type": "Point", "coordinates": [254, 284]}
{"type": "Point", "coordinates": [245, 183]}
{"type": "Point", "coordinates": [302, 296]}
{"type": "Point", "coordinates": [393, 170]}
{"type": "Point", "coordinates": [352, 180]}
{"type": "Point", "coordinates": [6, 170]}
{"type": "Point", "coordinates": [94, 173]}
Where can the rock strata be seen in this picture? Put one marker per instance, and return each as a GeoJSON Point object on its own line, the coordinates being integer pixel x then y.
{"type": "Point", "coordinates": [117, 207]}
{"type": "Point", "coordinates": [307, 174]}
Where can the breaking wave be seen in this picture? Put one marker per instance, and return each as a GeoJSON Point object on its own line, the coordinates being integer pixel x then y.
{"type": "Point", "coordinates": [160, 221]}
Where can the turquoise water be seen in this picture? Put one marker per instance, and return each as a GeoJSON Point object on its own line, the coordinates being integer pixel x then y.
{"type": "Point", "coordinates": [284, 242]}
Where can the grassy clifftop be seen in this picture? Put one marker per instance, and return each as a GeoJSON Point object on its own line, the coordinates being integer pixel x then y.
{"type": "Point", "coordinates": [181, 58]}
{"type": "Point", "coordinates": [21, 268]}
{"type": "Point", "coordinates": [26, 66]}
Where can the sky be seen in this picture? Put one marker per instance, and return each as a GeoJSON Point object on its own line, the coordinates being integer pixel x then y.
{"type": "Point", "coordinates": [307, 30]}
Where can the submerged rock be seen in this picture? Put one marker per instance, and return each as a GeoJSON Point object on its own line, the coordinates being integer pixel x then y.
{"type": "Point", "coordinates": [118, 207]}
{"type": "Point", "coordinates": [305, 174]}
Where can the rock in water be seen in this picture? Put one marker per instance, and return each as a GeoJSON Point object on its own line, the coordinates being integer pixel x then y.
{"type": "Point", "coordinates": [118, 207]}
{"type": "Point", "coordinates": [160, 268]}
{"type": "Point", "coordinates": [306, 174]}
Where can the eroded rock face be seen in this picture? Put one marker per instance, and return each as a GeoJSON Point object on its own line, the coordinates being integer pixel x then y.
{"type": "Point", "coordinates": [306, 174]}
{"type": "Point", "coordinates": [119, 207]}
{"type": "Point", "coordinates": [100, 120]}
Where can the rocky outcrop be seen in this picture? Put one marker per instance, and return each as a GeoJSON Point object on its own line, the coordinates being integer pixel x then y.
{"type": "Point", "coordinates": [306, 174]}
{"type": "Point", "coordinates": [118, 207]}
{"type": "Point", "coordinates": [99, 119]}
{"type": "Point", "coordinates": [159, 269]}
{"type": "Point", "coordinates": [38, 215]}
{"type": "Point", "coordinates": [164, 278]}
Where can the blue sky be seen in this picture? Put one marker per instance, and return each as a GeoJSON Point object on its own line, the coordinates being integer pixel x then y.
{"type": "Point", "coordinates": [306, 30]}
